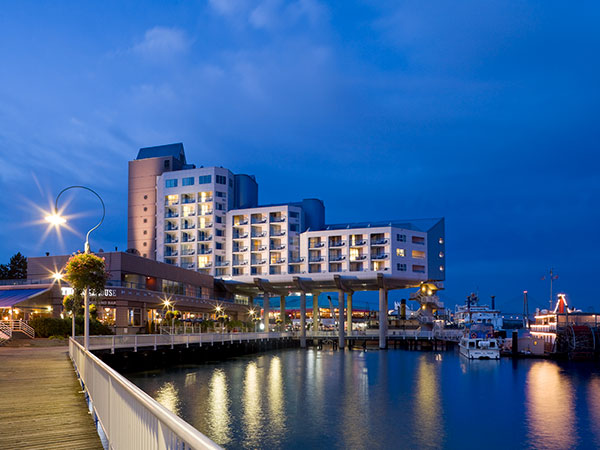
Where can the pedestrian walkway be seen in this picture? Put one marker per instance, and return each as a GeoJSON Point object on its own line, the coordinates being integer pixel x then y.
{"type": "Point", "coordinates": [41, 406]}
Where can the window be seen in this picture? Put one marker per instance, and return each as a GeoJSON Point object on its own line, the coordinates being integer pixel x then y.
{"type": "Point", "coordinates": [220, 206]}
{"type": "Point", "coordinates": [204, 179]}
{"type": "Point", "coordinates": [293, 215]}
{"type": "Point", "coordinates": [418, 254]}
{"type": "Point", "coordinates": [145, 244]}
{"type": "Point", "coordinates": [401, 237]}
{"type": "Point", "coordinates": [218, 219]}
{"type": "Point", "coordinates": [219, 246]}
{"type": "Point", "coordinates": [219, 232]}
{"type": "Point", "coordinates": [230, 182]}
{"type": "Point", "coordinates": [167, 164]}
{"type": "Point", "coordinates": [145, 208]}
{"type": "Point", "coordinates": [135, 317]}
{"type": "Point", "coordinates": [171, 183]}
{"type": "Point", "coordinates": [145, 197]}
{"type": "Point", "coordinates": [418, 240]}
{"type": "Point", "coordinates": [400, 252]}
{"type": "Point", "coordinates": [418, 268]}
{"type": "Point", "coordinates": [189, 181]}
{"type": "Point", "coordinates": [221, 194]}
{"type": "Point", "coordinates": [401, 267]}
{"type": "Point", "coordinates": [294, 227]}
{"type": "Point", "coordinates": [145, 231]}
{"type": "Point", "coordinates": [221, 179]}
{"type": "Point", "coordinates": [145, 220]}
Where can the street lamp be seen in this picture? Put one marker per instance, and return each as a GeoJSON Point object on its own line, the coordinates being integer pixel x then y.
{"type": "Point", "coordinates": [57, 220]}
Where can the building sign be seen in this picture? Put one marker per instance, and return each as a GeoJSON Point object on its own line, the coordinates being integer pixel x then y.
{"type": "Point", "coordinates": [107, 292]}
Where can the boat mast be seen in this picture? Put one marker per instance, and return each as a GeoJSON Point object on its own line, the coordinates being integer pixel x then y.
{"type": "Point", "coordinates": [525, 310]}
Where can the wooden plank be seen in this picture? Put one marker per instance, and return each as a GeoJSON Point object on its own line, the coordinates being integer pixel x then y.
{"type": "Point", "coordinates": [41, 405]}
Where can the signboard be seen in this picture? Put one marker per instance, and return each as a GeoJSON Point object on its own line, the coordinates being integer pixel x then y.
{"type": "Point", "coordinates": [107, 292]}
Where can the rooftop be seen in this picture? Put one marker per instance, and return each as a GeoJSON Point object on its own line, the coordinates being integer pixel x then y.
{"type": "Point", "coordinates": [174, 150]}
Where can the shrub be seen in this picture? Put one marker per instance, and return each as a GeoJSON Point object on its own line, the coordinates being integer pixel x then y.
{"type": "Point", "coordinates": [48, 326]}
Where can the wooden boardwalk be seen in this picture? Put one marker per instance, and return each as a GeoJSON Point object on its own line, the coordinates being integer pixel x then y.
{"type": "Point", "coordinates": [41, 406]}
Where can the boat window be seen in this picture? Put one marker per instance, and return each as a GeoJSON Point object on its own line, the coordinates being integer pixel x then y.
{"type": "Point", "coordinates": [492, 344]}
{"type": "Point", "coordinates": [471, 344]}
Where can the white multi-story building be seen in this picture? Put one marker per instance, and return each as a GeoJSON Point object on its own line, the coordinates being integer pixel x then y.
{"type": "Point", "coordinates": [208, 219]}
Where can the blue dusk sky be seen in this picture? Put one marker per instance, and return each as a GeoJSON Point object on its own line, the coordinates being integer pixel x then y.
{"type": "Point", "coordinates": [482, 112]}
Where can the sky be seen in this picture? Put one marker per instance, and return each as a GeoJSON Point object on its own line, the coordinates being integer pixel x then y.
{"type": "Point", "coordinates": [485, 113]}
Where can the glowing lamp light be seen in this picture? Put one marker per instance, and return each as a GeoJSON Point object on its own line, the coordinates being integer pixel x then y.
{"type": "Point", "coordinates": [262, 326]}
{"type": "Point", "coordinates": [57, 276]}
{"type": "Point", "coordinates": [55, 219]}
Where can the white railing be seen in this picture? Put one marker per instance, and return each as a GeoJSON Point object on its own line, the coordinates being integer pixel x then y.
{"type": "Point", "coordinates": [5, 332]}
{"type": "Point", "coordinates": [136, 341]}
{"type": "Point", "coordinates": [129, 417]}
{"type": "Point", "coordinates": [19, 325]}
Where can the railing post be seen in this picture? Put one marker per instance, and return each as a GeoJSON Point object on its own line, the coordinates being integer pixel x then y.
{"type": "Point", "coordinates": [172, 339]}
{"type": "Point", "coordinates": [112, 350]}
{"type": "Point", "coordinates": [155, 337]}
{"type": "Point", "coordinates": [135, 343]}
{"type": "Point", "coordinates": [188, 341]}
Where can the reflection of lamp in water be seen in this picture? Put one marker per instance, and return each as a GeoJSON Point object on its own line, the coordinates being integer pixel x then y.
{"type": "Point", "coordinates": [218, 404]}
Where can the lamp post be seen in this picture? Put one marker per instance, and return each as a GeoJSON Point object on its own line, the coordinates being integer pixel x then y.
{"type": "Point", "coordinates": [56, 219]}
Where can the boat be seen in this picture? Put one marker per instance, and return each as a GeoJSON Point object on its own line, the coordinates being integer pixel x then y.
{"type": "Point", "coordinates": [472, 313]}
{"type": "Point", "coordinates": [479, 343]}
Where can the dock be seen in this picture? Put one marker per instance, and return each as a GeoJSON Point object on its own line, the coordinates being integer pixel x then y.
{"type": "Point", "coordinates": [41, 403]}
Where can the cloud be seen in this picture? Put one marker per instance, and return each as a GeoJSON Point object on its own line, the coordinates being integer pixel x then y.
{"type": "Point", "coordinates": [162, 42]}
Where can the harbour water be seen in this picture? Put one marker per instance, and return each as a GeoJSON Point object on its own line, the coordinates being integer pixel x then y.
{"type": "Point", "coordinates": [383, 399]}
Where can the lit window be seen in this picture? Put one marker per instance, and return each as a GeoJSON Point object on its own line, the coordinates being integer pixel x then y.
{"type": "Point", "coordinates": [441, 254]}
{"type": "Point", "coordinates": [400, 252]}
{"type": "Point", "coordinates": [441, 268]}
{"type": "Point", "coordinates": [172, 199]}
{"type": "Point", "coordinates": [189, 181]}
{"type": "Point", "coordinates": [203, 261]}
{"type": "Point", "coordinates": [441, 241]}
{"type": "Point", "coordinates": [171, 183]}
{"type": "Point", "coordinates": [418, 254]}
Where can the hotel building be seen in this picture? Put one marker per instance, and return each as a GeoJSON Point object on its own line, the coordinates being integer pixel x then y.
{"type": "Point", "coordinates": [209, 220]}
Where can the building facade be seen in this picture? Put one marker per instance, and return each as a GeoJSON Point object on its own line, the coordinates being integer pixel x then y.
{"type": "Point", "coordinates": [209, 220]}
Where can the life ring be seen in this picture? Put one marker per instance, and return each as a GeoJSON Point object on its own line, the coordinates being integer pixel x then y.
{"type": "Point", "coordinates": [473, 335]}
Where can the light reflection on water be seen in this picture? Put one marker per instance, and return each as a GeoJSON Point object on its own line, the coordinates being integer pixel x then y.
{"type": "Point", "coordinates": [392, 399]}
{"type": "Point", "coordinates": [550, 407]}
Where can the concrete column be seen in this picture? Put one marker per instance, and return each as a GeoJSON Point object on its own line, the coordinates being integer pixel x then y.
{"type": "Point", "coordinates": [266, 311]}
{"type": "Point", "coordinates": [282, 312]}
{"type": "Point", "coordinates": [341, 313]}
{"type": "Point", "coordinates": [303, 319]}
{"type": "Point", "coordinates": [349, 315]}
{"type": "Point", "coordinates": [316, 312]}
{"type": "Point", "coordinates": [383, 308]}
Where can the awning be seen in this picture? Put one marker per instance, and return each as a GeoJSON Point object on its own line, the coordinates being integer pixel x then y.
{"type": "Point", "coordinates": [10, 297]}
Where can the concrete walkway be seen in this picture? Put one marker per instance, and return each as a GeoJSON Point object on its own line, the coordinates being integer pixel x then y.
{"type": "Point", "coordinates": [41, 405]}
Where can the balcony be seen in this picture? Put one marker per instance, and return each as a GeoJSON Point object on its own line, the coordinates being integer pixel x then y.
{"type": "Point", "coordinates": [207, 251]}
{"type": "Point", "coordinates": [205, 265]}
{"type": "Point", "coordinates": [188, 238]}
{"type": "Point", "coordinates": [278, 233]}
{"type": "Point", "coordinates": [317, 245]}
{"type": "Point", "coordinates": [188, 265]}
{"type": "Point", "coordinates": [185, 201]}
{"type": "Point", "coordinates": [187, 252]}
{"type": "Point", "coordinates": [337, 244]}
{"type": "Point", "coordinates": [173, 253]}
{"type": "Point", "coordinates": [171, 227]}
{"type": "Point", "coordinates": [188, 213]}
{"type": "Point", "coordinates": [379, 256]}
{"type": "Point", "coordinates": [358, 258]}
{"type": "Point", "coordinates": [262, 220]}
{"type": "Point", "coordinates": [241, 262]}
{"type": "Point", "coordinates": [258, 262]}
{"type": "Point", "coordinates": [169, 240]}
{"type": "Point", "coordinates": [278, 261]}
{"type": "Point", "coordinates": [259, 235]}
{"type": "Point", "coordinates": [337, 258]}
{"type": "Point", "coordinates": [240, 236]}
{"type": "Point", "coordinates": [204, 238]}
{"type": "Point", "coordinates": [278, 247]}
{"type": "Point", "coordinates": [205, 199]}
{"type": "Point", "coordinates": [170, 214]}
{"type": "Point", "coordinates": [296, 261]}
{"type": "Point", "coordinates": [380, 242]}
{"type": "Point", "coordinates": [277, 219]}
{"type": "Point", "coordinates": [315, 260]}
{"type": "Point", "coordinates": [222, 263]}
{"type": "Point", "coordinates": [241, 222]}
{"type": "Point", "coordinates": [205, 213]}
{"type": "Point", "coordinates": [358, 243]}
{"type": "Point", "coordinates": [240, 249]}
{"type": "Point", "coordinates": [206, 225]}
{"type": "Point", "coordinates": [188, 226]}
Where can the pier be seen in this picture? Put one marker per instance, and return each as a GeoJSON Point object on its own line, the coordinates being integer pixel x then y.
{"type": "Point", "coordinates": [42, 403]}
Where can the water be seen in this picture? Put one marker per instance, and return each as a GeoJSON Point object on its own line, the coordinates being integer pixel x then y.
{"type": "Point", "coordinates": [383, 399]}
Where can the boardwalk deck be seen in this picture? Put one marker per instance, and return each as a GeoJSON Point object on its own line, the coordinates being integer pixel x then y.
{"type": "Point", "coordinates": [41, 406]}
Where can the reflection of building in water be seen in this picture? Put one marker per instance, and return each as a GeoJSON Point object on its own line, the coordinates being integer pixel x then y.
{"type": "Point", "coordinates": [356, 404]}
{"type": "Point", "coordinates": [252, 418]}
{"type": "Point", "coordinates": [168, 396]}
{"type": "Point", "coordinates": [428, 420]}
{"type": "Point", "coordinates": [276, 400]}
{"type": "Point", "coordinates": [219, 419]}
{"type": "Point", "coordinates": [550, 407]}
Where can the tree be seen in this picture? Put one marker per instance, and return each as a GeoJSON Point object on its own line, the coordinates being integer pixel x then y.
{"type": "Point", "coordinates": [73, 303]}
{"type": "Point", "coordinates": [17, 267]}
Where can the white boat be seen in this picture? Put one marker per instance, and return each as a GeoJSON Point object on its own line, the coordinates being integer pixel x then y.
{"type": "Point", "coordinates": [475, 347]}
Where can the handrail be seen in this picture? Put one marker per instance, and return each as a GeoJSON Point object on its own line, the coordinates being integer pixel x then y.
{"type": "Point", "coordinates": [19, 325]}
{"type": "Point", "coordinates": [129, 417]}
